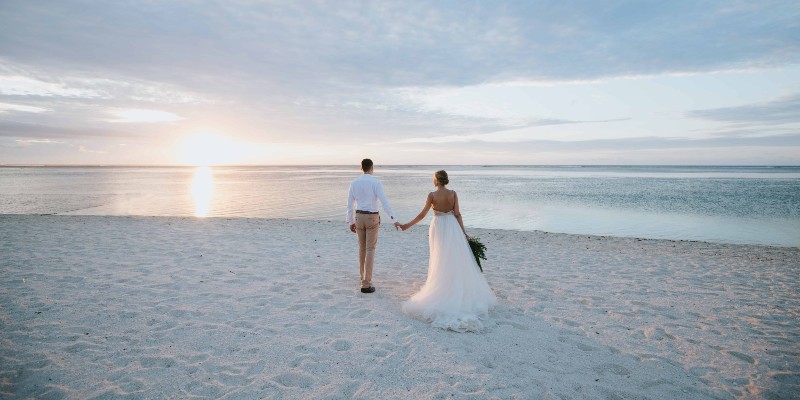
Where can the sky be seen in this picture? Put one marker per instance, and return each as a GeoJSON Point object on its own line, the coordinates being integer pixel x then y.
{"type": "Point", "coordinates": [434, 83]}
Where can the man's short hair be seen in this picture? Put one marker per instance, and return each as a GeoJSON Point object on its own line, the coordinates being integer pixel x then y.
{"type": "Point", "coordinates": [366, 164]}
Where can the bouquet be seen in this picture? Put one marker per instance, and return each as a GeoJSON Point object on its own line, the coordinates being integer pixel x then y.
{"type": "Point", "coordinates": [478, 250]}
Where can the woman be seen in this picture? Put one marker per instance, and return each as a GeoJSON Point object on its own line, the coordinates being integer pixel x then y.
{"type": "Point", "coordinates": [455, 295]}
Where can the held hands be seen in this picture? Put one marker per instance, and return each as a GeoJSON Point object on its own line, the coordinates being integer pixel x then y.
{"type": "Point", "coordinates": [402, 227]}
{"type": "Point", "coordinates": [397, 226]}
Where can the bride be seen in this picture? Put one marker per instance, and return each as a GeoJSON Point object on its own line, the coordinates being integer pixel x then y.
{"type": "Point", "coordinates": [455, 295]}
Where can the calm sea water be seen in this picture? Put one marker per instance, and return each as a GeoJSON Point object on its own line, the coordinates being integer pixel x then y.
{"type": "Point", "coordinates": [757, 205]}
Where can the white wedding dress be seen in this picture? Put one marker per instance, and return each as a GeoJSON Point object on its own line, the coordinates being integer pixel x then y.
{"type": "Point", "coordinates": [455, 295]}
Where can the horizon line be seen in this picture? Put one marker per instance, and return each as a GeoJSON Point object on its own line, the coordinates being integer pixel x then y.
{"type": "Point", "coordinates": [384, 165]}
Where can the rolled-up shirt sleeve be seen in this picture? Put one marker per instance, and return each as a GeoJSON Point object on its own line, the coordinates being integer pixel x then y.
{"type": "Point", "coordinates": [351, 201]}
{"type": "Point", "coordinates": [384, 201]}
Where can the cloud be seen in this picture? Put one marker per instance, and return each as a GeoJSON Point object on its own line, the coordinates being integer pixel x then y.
{"type": "Point", "coordinates": [32, 81]}
{"type": "Point", "coordinates": [26, 86]}
{"type": "Point", "coordinates": [393, 43]}
{"type": "Point", "coordinates": [6, 107]}
{"type": "Point", "coordinates": [28, 142]}
{"type": "Point", "coordinates": [145, 116]}
{"type": "Point", "coordinates": [628, 144]}
{"type": "Point", "coordinates": [327, 72]}
{"type": "Point", "coordinates": [500, 133]}
{"type": "Point", "coordinates": [26, 130]}
{"type": "Point", "coordinates": [83, 149]}
{"type": "Point", "coordinates": [784, 110]}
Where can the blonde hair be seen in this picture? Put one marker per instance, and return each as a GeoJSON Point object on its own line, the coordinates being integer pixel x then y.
{"type": "Point", "coordinates": [441, 177]}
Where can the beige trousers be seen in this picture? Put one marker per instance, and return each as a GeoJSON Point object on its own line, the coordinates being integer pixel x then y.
{"type": "Point", "coordinates": [367, 228]}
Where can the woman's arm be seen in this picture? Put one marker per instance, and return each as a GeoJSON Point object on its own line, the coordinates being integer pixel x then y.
{"type": "Point", "coordinates": [457, 213]}
{"type": "Point", "coordinates": [422, 213]}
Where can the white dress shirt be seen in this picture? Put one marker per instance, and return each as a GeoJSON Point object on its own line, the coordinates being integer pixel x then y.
{"type": "Point", "coordinates": [365, 191]}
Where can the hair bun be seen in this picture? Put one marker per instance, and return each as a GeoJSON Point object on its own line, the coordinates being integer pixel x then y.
{"type": "Point", "coordinates": [441, 177]}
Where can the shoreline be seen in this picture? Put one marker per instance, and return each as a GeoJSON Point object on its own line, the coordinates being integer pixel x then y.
{"type": "Point", "coordinates": [249, 307]}
{"type": "Point", "coordinates": [741, 205]}
{"type": "Point", "coordinates": [424, 222]}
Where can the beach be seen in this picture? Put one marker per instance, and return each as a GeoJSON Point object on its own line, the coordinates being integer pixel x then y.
{"type": "Point", "coordinates": [182, 307]}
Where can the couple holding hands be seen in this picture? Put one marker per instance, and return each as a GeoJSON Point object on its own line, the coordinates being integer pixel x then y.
{"type": "Point", "coordinates": [455, 295]}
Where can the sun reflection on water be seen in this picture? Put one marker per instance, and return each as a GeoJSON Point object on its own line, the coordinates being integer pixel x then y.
{"type": "Point", "coordinates": [202, 190]}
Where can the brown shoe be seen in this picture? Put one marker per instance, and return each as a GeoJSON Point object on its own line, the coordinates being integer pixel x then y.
{"type": "Point", "coordinates": [368, 289]}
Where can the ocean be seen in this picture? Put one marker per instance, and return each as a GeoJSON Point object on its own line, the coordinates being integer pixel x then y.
{"type": "Point", "coordinates": [742, 204]}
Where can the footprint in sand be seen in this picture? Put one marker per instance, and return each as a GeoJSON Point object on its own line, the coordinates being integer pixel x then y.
{"type": "Point", "coordinates": [744, 357]}
{"type": "Point", "coordinates": [38, 364]}
{"type": "Point", "coordinates": [165, 326]}
{"type": "Point", "coordinates": [788, 378]}
{"type": "Point", "coordinates": [615, 369]}
{"type": "Point", "coordinates": [571, 323]}
{"type": "Point", "coordinates": [378, 353]}
{"type": "Point", "coordinates": [656, 334]}
{"type": "Point", "coordinates": [195, 358]}
{"type": "Point", "coordinates": [130, 385]}
{"type": "Point", "coordinates": [655, 383]}
{"type": "Point", "coordinates": [128, 314]}
{"type": "Point", "coordinates": [294, 379]}
{"type": "Point", "coordinates": [80, 347]}
{"type": "Point", "coordinates": [276, 289]}
{"type": "Point", "coordinates": [157, 362]}
{"type": "Point", "coordinates": [179, 313]}
{"type": "Point", "coordinates": [341, 345]}
{"type": "Point", "coordinates": [513, 325]}
{"type": "Point", "coordinates": [359, 313]}
{"type": "Point", "coordinates": [297, 362]}
{"type": "Point", "coordinates": [242, 324]}
{"type": "Point", "coordinates": [584, 347]}
{"type": "Point", "coordinates": [346, 390]}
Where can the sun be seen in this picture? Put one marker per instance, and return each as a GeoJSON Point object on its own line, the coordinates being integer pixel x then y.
{"type": "Point", "coordinates": [210, 149]}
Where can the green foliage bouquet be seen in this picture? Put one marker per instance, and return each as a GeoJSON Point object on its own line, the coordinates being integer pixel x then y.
{"type": "Point", "coordinates": [478, 250]}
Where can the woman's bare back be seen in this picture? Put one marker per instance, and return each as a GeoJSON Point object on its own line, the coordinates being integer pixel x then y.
{"type": "Point", "coordinates": [444, 200]}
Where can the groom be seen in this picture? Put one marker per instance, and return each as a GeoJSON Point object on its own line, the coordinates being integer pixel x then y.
{"type": "Point", "coordinates": [365, 191]}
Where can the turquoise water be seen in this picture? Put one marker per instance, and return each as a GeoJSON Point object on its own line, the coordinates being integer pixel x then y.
{"type": "Point", "coordinates": [756, 205]}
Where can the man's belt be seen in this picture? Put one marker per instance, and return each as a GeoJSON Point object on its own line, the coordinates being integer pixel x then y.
{"type": "Point", "coordinates": [365, 212]}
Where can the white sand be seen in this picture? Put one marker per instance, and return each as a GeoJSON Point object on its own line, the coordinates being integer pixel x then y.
{"type": "Point", "coordinates": [181, 307]}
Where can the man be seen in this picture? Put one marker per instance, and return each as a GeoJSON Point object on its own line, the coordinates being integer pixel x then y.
{"type": "Point", "coordinates": [365, 191]}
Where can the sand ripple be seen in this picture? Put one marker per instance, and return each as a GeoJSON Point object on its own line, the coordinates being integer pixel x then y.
{"type": "Point", "coordinates": [143, 307]}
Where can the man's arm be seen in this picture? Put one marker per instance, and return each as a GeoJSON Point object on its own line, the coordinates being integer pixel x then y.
{"type": "Point", "coordinates": [384, 201]}
{"type": "Point", "coordinates": [351, 201]}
